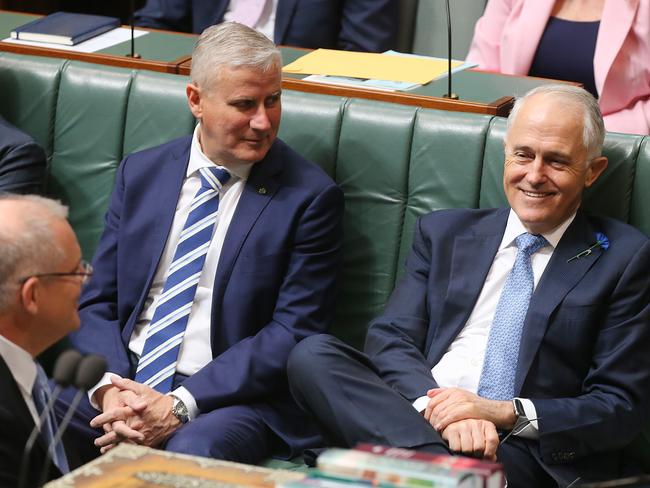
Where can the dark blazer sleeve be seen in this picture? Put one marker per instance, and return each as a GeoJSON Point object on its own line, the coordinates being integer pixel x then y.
{"type": "Point", "coordinates": [22, 162]}
{"type": "Point", "coordinates": [100, 332]}
{"type": "Point", "coordinates": [614, 402]}
{"type": "Point", "coordinates": [396, 341]}
{"type": "Point", "coordinates": [369, 25]}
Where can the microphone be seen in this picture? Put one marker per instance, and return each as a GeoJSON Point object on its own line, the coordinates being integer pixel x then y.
{"type": "Point", "coordinates": [133, 54]}
{"type": "Point", "coordinates": [64, 373]}
{"type": "Point", "coordinates": [89, 371]}
{"type": "Point", "coordinates": [449, 93]}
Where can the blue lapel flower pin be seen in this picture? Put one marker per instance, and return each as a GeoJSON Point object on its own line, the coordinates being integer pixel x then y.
{"type": "Point", "coordinates": [601, 241]}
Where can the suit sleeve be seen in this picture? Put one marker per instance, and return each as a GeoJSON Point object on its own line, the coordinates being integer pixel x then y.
{"type": "Point", "coordinates": [485, 48]}
{"type": "Point", "coordinates": [255, 367]}
{"type": "Point", "coordinates": [368, 25]}
{"type": "Point", "coordinates": [100, 331]}
{"type": "Point", "coordinates": [396, 341]}
{"type": "Point", "coordinates": [22, 168]}
{"type": "Point", "coordinates": [165, 14]}
{"type": "Point", "coordinates": [613, 406]}
{"type": "Point", "coordinates": [634, 119]}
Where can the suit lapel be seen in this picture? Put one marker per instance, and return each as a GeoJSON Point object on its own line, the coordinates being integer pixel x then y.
{"type": "Point", "coordinates": [258, 192]}
{"type": "Point", "coordinates": [472, 258]}
{"type": "Point", "coordinates": [171, 176]}
{"type": "Point", "coordinates": [14, 403]}
{"type": "Point", "coordinates": [616, 23]}
{"type": "Point", "coordinates": [283, 17]}
{"type": "Point", "coordinates": [558, 279]}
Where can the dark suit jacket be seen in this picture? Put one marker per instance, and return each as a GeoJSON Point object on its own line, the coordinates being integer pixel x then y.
{"type": "Point", "coordinates": [583, 358]}
{"type": "Point", "coordinates": [275, 281]}
{"type": "Point", "coordinates": [354, 25]}
{"type": "Point", "coordinates": [16, 424]}
{"type": "Point", "coordinates": [22, 161]}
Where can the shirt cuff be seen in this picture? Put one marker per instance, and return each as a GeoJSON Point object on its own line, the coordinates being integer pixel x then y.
{"type": "Point", "coordinates": [529, 429]}
{"type": "Point", "coordinates": [189, 401]}
{"type": "Point", "coordinates": [106, 380]}
{"type": "Point", "coordinates": [421, 403]}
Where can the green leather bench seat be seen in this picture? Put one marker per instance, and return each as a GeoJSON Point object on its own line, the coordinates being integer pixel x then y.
{"type": "Point", "coordinates": [394, 163]}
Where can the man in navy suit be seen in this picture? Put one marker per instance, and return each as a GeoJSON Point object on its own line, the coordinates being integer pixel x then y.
{"type": "Point", "coordinates": [22, 161]}
{"type": "Point", "coordinates": [268, 280]}
{"type": "Point", "coordinates": [41, 273]}
{"type": "Point", "coordinates": [578, 383]}
{"type": "Point", "coordinates": [353, 25]}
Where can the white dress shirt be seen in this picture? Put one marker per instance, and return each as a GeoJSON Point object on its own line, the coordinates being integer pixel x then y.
{"type": "Point", "coordinates": [196, 350]}
{"type": "Point", "coordinates": [266, 22]}
{"type": "Point", "coordinates": [462, 364]}
{"type": "Point", "coordinates": [23, 369]}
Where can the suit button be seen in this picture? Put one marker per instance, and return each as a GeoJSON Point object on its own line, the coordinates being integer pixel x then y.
{"type": "Point", "coordinates": [571, 455]}
{"type": "Point", "coordinates": [554, 456]}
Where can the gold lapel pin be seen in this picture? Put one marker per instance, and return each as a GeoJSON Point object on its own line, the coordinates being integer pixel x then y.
{"type": "Point", "coordinates": [261, 190]}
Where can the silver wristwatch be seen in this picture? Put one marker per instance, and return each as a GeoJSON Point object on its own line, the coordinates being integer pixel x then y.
{"type": "Point", "coordinates": [179, 410]}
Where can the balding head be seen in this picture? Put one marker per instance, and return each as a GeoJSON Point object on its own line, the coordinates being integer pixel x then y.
{"type": "Point", "coordinates": [27, 240]}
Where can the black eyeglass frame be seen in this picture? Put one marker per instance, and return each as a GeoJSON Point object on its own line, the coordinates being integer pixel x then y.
{"type": "Point", "coordinates": [86, 273]}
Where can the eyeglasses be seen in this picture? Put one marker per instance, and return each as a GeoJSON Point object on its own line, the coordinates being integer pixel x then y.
{"type": "Point", "coordinates": [85, 273]}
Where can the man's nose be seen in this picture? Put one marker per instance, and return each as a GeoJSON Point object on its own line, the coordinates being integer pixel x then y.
{"type": "Point", "coordinates": [536, 173]}
{"type": "Point", "coordinates": [260, 120]}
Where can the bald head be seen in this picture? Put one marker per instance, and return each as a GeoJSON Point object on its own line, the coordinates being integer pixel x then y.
{"type": "Point", "coordinates": [568, 101]}
{"type": "Point", "coordinates": [30, 228]}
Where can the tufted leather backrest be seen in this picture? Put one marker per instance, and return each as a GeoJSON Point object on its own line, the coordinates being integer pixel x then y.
{"type": "Point", "coordinates": [393, 162]}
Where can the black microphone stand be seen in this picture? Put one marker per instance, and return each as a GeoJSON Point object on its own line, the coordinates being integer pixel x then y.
{"type": "Point", "coordinates": [449, 93]}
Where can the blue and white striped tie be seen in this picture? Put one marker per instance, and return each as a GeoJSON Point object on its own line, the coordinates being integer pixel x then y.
{"type": "Point", "coordinates": [157, 364]}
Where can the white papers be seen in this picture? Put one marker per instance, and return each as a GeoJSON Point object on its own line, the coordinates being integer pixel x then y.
{"type": "Point", "coordinates": [102, 41]}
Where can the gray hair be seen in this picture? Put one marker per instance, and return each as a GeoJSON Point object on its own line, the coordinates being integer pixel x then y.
{"type": "Point", "coordinates": [33, 249]}
{"type": "Point", "coordinates": [593, 133]}
{"type": "Point", "coordinates": [235, 45]}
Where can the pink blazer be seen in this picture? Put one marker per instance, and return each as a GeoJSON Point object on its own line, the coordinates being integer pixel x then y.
{"type": "Point", "coordinates": [506, 38]}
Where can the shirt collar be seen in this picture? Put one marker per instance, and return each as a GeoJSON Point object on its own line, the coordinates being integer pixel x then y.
{"type": "Point", "coordinates": [515, 228]}
{"type": "Point", "coordinates": [20, 363]}
{"type": "Point", "coordinates": [199, 160]}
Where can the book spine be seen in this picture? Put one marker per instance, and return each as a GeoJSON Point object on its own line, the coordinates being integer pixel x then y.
{"type": "Point", "coordinates": [350, 464]}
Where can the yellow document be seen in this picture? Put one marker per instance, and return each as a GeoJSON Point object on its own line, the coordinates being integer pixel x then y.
{"type": "Point", "coordinates": [370, 66]}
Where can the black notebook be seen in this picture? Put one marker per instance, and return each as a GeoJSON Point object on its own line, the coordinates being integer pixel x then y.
{"type": "Point", "coordinates": [65, 28]}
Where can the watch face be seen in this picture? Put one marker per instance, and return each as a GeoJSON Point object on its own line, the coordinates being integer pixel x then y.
{"type": "Point", "coordinates": [179, 410]}
{"type": "Point", "coordinates": [519, 408]}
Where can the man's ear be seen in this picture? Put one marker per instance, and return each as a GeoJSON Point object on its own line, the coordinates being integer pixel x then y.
{"type": "Point", "coordinates": [194, 100]}
{"type": "Point", "coordinates": [29, 292]}
{"type": "Point", "coordinates": [595, 169]}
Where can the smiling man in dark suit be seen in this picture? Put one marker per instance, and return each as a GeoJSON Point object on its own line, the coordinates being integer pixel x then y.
{"type": "Point", "coordinates": [220, 253]}
{"type": "Point", "coordinates": [353, 25]}
{"type": "Point", "coordinates": [41, 273]}
{"type": "Point", "coordinates": [533, 319]}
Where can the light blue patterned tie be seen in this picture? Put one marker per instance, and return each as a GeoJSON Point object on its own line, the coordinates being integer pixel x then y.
{"type": "Point", "coordinates": [500, 365]}
{"type": "Point", "coordinates": [157, 364]}
{"type": "Point", "coordinates": [41, 395]}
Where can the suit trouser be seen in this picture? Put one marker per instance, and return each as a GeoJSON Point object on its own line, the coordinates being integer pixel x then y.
{"type": "Point", "coordinates": [233, 433]}
{"type": "Point", "coordinates": [345, 393]}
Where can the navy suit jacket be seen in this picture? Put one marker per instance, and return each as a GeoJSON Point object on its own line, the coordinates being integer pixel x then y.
{"type": "Point", "coordinates": [583, 358]}
{"type": "Point", "coordinates": [16, 424]}
{"type": "Point", "coordinates": [274, 285]}
{"type": "Point", "coordinates": [353, 25]}
{"type": "Point", "coordinates": [22, 161]}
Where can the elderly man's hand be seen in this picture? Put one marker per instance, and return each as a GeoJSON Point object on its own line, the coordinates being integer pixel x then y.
{"type": "Point", "coordinates": [477, 438]}
{"type": "Point", "coordinates": [120, 418]}
{"type": "Point", "coordinates": [152, 417]}
{"type": "Point", "coordinates": [449, 405]}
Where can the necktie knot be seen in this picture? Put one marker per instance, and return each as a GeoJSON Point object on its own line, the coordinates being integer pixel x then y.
{"type": "Point", "coordinates": [529, 244]}
{"type": "Point", "coordinates": [213, 178]}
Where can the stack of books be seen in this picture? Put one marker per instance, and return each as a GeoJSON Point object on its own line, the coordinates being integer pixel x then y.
{"type": "Point", "coordinates": [370, 465]}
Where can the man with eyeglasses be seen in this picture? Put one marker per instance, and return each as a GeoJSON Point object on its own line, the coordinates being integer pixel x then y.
{"type": "Point", "coordinates": [41, 274]}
